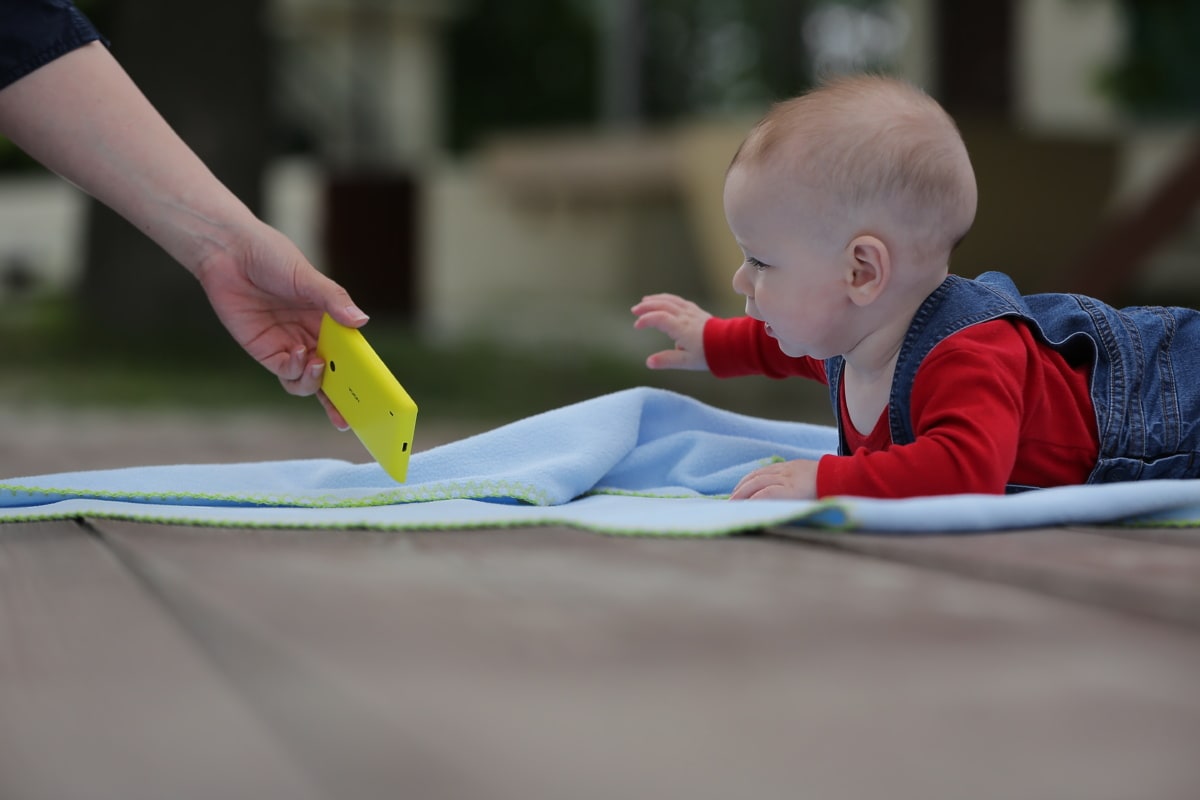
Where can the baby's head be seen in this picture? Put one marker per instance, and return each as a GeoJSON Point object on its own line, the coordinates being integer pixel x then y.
{"type": "Point", "coordinates": [860, 168]}
{"type": "Point", "coordinates": [875, 150]}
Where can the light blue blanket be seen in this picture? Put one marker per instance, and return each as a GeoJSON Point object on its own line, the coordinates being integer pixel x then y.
{"type": "Point", "coordinates": [640, 461]}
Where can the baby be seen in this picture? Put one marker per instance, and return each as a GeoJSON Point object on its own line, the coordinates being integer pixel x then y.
{"type": "Point", "coordinates": [846, 203]}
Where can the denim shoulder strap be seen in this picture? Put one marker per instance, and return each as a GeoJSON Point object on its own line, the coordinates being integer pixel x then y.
{"type": "Point", "coordinates": [955, 305]}
{"type": "Point", "coordinates": [833, 374]}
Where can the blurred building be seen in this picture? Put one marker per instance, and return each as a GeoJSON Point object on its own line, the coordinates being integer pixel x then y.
{"type": "Point", "coordinates": [591, 220]}
{"type": "Point", "coordinates": [364, 80]}
{"type": "Point", "coordinates": [546, 236]}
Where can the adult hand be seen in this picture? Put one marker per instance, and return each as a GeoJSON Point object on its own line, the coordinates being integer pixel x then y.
{"type": "Point", "coordinates": [270, 298]}
{"type": "Point", "coordinates": [83, 117]}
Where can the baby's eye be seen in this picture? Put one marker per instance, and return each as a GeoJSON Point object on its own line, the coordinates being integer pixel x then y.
{"type": "Point", "coordinates": [754, 262]}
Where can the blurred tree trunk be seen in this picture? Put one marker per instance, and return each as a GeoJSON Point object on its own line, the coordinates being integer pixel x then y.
{"type": "Point", "coordinates": [976, 44]}
{"type": "Point", "coordinates": [204, 67]}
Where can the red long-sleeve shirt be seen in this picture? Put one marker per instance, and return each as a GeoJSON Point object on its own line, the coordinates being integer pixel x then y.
{"type": "Point", "coordinates": [991, 406]}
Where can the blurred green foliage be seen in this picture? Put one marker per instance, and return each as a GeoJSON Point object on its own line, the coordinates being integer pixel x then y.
{"type": "Point", "coordinates": [541, 63]}
{"type": "Point", "coordinates": [708, 57]}
{"type": "Point", "coordinates": [523, 65]}
{"type": "Point", "coordinates": [14, 160]}
{"type": "Point", "coordinates": [520, 65]}
{"type": "Point", "coordinates": [1156, 76]}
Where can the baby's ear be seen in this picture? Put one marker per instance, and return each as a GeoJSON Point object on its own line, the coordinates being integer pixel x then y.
{"type": "Point", "coordinates": [870, 269]}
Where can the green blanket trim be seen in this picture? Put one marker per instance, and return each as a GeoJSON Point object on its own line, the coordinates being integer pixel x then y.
{"type": "Point", "coordinates": [466, 490]}
{"type": "Point", "coordinates": [565, 521]}
{"type": "Point", "coordinates": [1159, 523]}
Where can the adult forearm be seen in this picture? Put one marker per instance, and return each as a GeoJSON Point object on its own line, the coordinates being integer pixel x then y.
{"type": "Point", "coordinates": [83, 117]}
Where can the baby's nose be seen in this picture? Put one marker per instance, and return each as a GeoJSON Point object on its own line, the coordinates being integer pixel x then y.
{"type": "Point", "coordinates": [741, 284]}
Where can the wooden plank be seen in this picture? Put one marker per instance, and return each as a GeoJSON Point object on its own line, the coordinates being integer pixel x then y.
{"type": "Point", "coordinates": [101, 696]}
{"type": "Point", "coordinates": [58, 440]}
{"type": "Point", "coordinates": [1148, 575]}
{"type": "Point", "coordinates": [1184, 537]}
{"type": "Point", "coordinates": [551, 663]}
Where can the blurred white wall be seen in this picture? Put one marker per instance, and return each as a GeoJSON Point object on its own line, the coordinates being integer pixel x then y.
{"type": "Point", "coordinates": [538, 273]}
{"type": "Point", "coordinates": [41, 227]}
{"type": "Point", "coordinates": [1063, 47]}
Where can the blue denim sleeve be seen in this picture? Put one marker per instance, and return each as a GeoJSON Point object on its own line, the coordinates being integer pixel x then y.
{"type": "Point", "coordinates": [35, 32]}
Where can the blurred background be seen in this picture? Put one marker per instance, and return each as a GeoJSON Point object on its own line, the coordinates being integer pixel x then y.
{"type": "Point", "coordinates": [497, 182]}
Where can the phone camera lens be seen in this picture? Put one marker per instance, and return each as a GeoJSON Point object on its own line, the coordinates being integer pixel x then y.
{"type": "Point", "coordinates": [332, 366]}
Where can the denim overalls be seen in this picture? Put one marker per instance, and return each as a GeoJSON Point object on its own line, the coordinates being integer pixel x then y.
{"type": "Point", "coordinates": [1145, 369]}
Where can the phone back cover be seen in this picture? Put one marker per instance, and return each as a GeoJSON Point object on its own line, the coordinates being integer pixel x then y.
{"type": "Point", "coordinates": [363, 389]}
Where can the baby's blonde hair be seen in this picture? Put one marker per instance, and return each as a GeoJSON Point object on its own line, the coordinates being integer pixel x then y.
{"type": "Point", "coordinates": [869, 139]}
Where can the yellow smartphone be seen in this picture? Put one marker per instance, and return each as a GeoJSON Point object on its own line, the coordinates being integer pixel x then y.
{"type": "Point", "coordinates": [364, 390]}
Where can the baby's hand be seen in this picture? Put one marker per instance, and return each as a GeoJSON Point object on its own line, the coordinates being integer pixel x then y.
{"type": "Point", "coordinates": [786, 480]}
{"type": "Point", "coordinates": [680, 319]}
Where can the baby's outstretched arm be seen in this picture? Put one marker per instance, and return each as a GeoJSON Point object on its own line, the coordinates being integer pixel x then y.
{"type": "Point", "coordinates": [680, 319]}
{"type": "Point", "coordinates": [786, 480]}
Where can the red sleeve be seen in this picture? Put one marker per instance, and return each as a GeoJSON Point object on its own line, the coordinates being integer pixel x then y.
{"type": "Point", "coordinates": [741, 346]}
{"type": "Point", "coordinates": [967, 409]}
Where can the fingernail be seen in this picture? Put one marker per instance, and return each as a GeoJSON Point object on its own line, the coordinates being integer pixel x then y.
{"type": "Point", "coordinates": [355, 313]}
{"type": "Point", "coordinates": [316, 369]}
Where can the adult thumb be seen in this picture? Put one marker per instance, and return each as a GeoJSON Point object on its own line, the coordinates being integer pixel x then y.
{"type": "Point", "coordinates": [336, 301]}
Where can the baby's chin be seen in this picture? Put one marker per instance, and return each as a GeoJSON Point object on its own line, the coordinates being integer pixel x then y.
{"type": "Point", "coordinates": [790, 350]}
{"type": "Point", "coordinates": [800, 351]}
{"type": "Point", "coordinates": [793, 350]}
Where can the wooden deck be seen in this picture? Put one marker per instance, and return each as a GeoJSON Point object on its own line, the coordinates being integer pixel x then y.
{"type": "Point", "coordinates": [147, 661]}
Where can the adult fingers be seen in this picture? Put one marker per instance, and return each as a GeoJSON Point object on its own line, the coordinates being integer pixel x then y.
{"type": "Point", "coordinates": [307, 382]}
{"type": "Point", "coordinates": [334, 415]}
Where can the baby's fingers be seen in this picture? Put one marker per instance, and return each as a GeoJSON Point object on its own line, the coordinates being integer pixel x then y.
{"type": "Point", "coordinates": [793, 480]}
{"type": "Point", "coordinates": [660, 302]}
{"type": "Point", "coordinates": [748, 486]}
{"type": "Point", "coordinates": [659, 320]}
{"type": "Point", "coordinates": [676, 359]}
